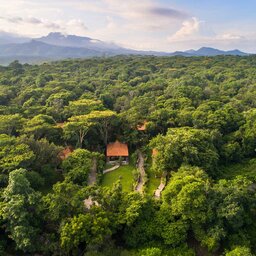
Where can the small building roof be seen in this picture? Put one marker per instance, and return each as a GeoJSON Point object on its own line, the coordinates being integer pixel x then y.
{"type": "Point", "coordinates": [142, 127]}
{"type": "Point", "coordinates": [60, 125]}
{"type": "Point", "coordinates": [155, 152]}
{"type": "Point", "coordinates": [117, 149]}
{"type": "Point", "coordinates": [65, 153]}
{"type": "Point", "coordinates": [89, 202]}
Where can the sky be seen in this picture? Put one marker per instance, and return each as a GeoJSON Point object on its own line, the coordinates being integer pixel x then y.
{"type": "Point", "coordinates": [162, 25]}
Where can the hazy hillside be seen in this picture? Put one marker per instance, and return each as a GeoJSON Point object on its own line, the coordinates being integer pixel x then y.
{"type": "Point", "coordinates": [57, 46]}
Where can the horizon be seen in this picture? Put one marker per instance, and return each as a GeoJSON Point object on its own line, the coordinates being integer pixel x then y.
{"type": "Point", "coordinates": [148, 25]}
{"type": "Point", "coordinates": [66, 35]}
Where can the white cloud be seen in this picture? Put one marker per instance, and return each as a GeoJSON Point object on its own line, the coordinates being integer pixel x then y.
{"type": "Point", "coordinates": [139, 24]}
{"type": "Point", "coordinates": [30, 24]}
{"type": "Point", "coordinates": [230, 36]}
{"type": "Point", "coordinates": [145, 14]}
{"type": "Point", "coordinates": [189, 28]}
{"type": "Point", "coordinates": [77, 26]}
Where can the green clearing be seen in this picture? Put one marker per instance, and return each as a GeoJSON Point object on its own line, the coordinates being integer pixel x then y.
{"type": "Point", "coordinates": [153, 182]}
{"type": "Point", "coordinates": [125, 173]}
{"type": "Point", "coordinates": [246, 168]}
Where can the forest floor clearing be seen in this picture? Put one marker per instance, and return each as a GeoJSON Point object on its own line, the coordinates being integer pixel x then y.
{"type": "Point", "coordinates": [153, 182]}
{"type": "Point", "coordinates": [125, 173]}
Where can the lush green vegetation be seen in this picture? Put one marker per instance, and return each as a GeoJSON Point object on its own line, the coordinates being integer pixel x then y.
{"type": "Point", "coordinates": [246, 168]}
{"type": "Point", "coordinates": [56, 120]}
{"type": "Point", "coordinates": [153, 181]}
{"type": "Point", "coordinates": [124, 173]}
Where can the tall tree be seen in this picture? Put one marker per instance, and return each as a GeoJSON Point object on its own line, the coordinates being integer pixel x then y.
{"type": "Point", "coordinates": [20, 210]}
{"type": "Point", "coordinates": [102, 120]}
{"type": "Point", "coordinates": [41, 126]}
{"type": "Point", "coordinates": [78, 127]}
{"type": "Point", "coordinates": [185, 146]}
{"type": "Point", "coordinates": [14, 154]}
{"type": "Point", "coordinates": [10, 124]}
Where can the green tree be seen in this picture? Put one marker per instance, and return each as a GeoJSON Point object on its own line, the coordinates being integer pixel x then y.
{"type": "Point", "coordinates": [77, 127]}
{"type": "Point", "coordinates": [240, 251]}
{"type": "Point", "coordinates": [66, 200]}
{"type": "Point", "coordinates": [41, 126]}
{"type": "Point", "coordinates": [10, 124]}
{"type": "Point", "coordinates": [91, 229]}
{"type": "Point", "coordinates": [20, 210]}
{"type": "Point", "coordinates": [248, 133]}
{"type": "Point", "coordinates": [46, 153]}
{"type": "Point", "coordinates": [14, 154]}
{"type": "Point", "coordinates": [83, 106]}
{"type": "Point", "coordinates": [79, 164]}
{"type": "Point", "coordinates": [56, 103]}
{"type": "Point", "coordinates": [102, 120]}
{"type": "Point", "coordinates": [184, 146]}
{"type": "Point", "coordinates": [153, 251]}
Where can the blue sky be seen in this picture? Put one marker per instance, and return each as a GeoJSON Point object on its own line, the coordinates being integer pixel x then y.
{"type": "Point", "coordinates": [166, 25]}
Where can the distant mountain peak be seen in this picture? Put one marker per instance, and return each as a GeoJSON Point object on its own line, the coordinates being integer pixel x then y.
{"type": "Point", "coordinates": [57, 45]}
{"type": "Point", "coordinates": [59, 39]}
{"type": "Point", "coordinates": [209, 51]}
{"type": "Point", "coordinates": [59, 35]}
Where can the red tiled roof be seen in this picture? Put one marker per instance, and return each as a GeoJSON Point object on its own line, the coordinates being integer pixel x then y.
{"type": "Point", "coordinates": [60, 125]}
{"type": "Point", "coordinates": [117, 149]}
{"type": "Point", "coordinates": [142, 127]}
{"type": "Point", "coordinates": [65, 153]}
{"type": "Point", "coordinates": [154, 152]}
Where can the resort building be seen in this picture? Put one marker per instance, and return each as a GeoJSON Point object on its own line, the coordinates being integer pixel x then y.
{"type": "Point", "coordinates": [117, 151]}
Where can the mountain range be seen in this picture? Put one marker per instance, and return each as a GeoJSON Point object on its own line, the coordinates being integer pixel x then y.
{"type": "Point", "coordinates": [56, 46]}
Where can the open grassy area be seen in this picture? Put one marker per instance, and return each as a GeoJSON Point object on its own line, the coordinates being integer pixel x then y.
{"type": "Point", "coordinates": [247, 168]}
{"type": "Point", "coordinates": [123, 172]}
{"type": "Point", "coordinates": [152, 183]}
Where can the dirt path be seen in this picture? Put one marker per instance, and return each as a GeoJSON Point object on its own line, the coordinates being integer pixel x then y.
{"type": "Point", "coordinates": [142, 172]}
{"type": "Point", "coordinates": [93, 174]}
{"type": "Point", "coordinates": [161, 187]}
{"type": "Point", "coordinates": [111, 169]}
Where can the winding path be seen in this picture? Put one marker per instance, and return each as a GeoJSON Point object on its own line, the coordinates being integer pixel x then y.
{"type": "Point", "coordinates": [111, 169]}
{"type": "Point", "coordinates": [161, 187]}
{"type": "Point", "coordinates": [93, 174]}
{"type": "Point", "coordinates": [141, 182]}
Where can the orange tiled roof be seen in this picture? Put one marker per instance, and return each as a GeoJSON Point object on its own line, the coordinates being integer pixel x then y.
{"type": "Point", "coordinates": [142, 127]}
{"type": "Point", "coordinates": [60, 125]}
{"type": "Point", "coordinates": [65, 153]}
{"type": "Point", "coordinates": [154, 152]}
{"type": "Point", "coordinates": [117, 149]}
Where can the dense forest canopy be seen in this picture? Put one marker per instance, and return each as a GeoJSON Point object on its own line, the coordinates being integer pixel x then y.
{"type": "Point", "coordinates": [56, 120]}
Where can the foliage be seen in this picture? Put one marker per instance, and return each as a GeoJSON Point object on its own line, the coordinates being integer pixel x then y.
{"type": "Point", "coordinates": [79, 164]}
{"type": "Point", "coordinates": [240, 251]}
{"type": "Point", "coordinates": [13, 154]}
{"type": "Point", "coordinates": [77, 126]}
{"type": "Point", "coordinates": [124, 173]}
{"type": "Point", "coordinates": [200, 116]}
{"type": "Point", "coordinates": [184, 146]}
{"type": "Point", "coordinates": [21, 212]}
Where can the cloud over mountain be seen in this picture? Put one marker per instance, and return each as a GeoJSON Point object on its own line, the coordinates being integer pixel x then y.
{"type": "Point", "coordinates": [144, 25]}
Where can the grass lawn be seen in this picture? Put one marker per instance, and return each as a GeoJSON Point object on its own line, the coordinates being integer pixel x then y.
{"type": "Point", "coordinates": [125, 173]}
{"type": "Point", "coordinates": [247, 168]}
{"type": "Point", "coordinates": [152, 183]}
